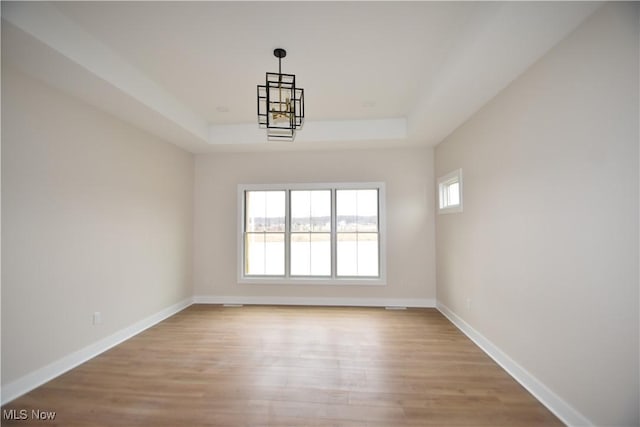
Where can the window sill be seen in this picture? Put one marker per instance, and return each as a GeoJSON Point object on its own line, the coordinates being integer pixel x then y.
{"type": "Point", "coordinates": [450, 209]}
{"type": "Point", "coordinates": [312, 282]}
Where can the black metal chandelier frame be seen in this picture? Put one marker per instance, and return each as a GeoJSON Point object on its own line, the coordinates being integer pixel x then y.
{"type": "Point", "coordinates": [280, 103]}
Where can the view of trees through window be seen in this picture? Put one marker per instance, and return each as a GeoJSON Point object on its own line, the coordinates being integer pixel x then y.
{"type": "Point", "coordinates": [321, 240]}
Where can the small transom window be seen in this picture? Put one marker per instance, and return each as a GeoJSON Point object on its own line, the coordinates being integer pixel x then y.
{"type": "Point", "coordinates": [450, 192]}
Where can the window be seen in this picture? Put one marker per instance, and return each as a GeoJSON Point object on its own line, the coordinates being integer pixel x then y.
{"type": "Point", "coordinates": [450, 192]}
{"type": "Point", "coordinates": [310, 237]}
{"type": "Point", "coordinates": [264, 233]}
{"type": "Point", "coordinates": [311, 233]}
{"type": "Point", "coordinates": [357, 232]}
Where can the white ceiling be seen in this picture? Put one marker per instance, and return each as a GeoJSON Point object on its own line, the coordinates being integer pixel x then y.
{"type": "Point", "coordinates": [374, 73]}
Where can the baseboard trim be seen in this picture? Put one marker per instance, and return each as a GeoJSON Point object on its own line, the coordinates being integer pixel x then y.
{"type": "Point", "coordinates": [36, 378]}
{"type": "Point", "coordinates": [567, 414]}
{"type": "Point", "coordinates": [317, 301]}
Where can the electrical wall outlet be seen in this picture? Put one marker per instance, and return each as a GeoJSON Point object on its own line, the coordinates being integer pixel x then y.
{"type": "Point", "coordinates": [97, 318]}
{"type": "Point", "coordinates": [468, 302]}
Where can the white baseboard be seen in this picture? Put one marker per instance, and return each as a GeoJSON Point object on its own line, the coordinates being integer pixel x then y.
{"type": "Point", "coordinates": [321, 301]}
{"type": "Point", "coordinates": [36, 378]}
{"type": "Point", "coordinates": [548, 398]}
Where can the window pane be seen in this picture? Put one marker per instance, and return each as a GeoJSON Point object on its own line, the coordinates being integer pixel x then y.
{"type": "Point", "coordinates": [300, 254]}
{"type": "Point", "coordinates": [311, 210]}
{"type": "Point", "coordinates": [367, 202]}
{"type": "Point", "coordinates": [254, 253]}
{"type": "Point", "coordinates": [367, 210]}
{"type": "Point", "coordinates": [264, 211]}
{"type": "Point", "coordinates": [347, 254]}
{"type": "Point", "coordinates": [274, 254]}
{"type": "Point", "coordinates": [275, 210]}
{"type": "Point", "coordinates": [264, 254]}
{"type": "Point", "coordinates": [453, 194]}
{"type": "Point", "coordinates": [310, 254]}
{"type": "Point", "coordinates": [300, 211]}
{"type": "Point", "coordinates": [255, 210]}
{"type": "Point", "coordinates": [357, 210]}
{"type": "Point", "coordinates": [346, 211]}
{"type": "Point", "coordinates": [321, 210]}
{"type": "Point", "coordinates": [321, 254]}
{"type": "Point", "coordinates": [357, 254]}
{"type": "Point", "coordinates": [367, 254]}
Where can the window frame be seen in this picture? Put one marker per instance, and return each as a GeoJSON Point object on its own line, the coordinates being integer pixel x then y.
{"type": "Point", "coordinates": [444, 182]}
{"type": "Point", "coordinates": [287, 278]}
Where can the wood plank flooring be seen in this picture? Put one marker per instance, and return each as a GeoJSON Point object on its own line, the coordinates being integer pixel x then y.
{"type": "Point", "coordinates": [289, 366]}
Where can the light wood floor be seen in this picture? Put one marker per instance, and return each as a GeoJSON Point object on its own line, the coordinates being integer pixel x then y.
{"type": "Point", "coordinates": [290, 366]}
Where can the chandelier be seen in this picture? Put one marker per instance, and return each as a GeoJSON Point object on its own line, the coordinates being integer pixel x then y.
{"type": "Point", "coordinates": [280, 103]}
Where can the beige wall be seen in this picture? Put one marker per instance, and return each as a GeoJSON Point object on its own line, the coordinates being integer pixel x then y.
{"type": "Point", "coordinates": [96, 216]}
{"type": "Point", "coordinates": [546, 249]}
{"type": "Point", "coordinates": [408, 175]}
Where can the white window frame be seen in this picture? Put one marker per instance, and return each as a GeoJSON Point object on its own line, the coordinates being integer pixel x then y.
{"type": "Point", "coordinates": [443, 183]}
{"type": "Point", "coordinates": [380, 280]}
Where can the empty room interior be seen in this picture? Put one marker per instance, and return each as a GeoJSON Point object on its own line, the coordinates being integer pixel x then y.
{"type": "Point", "coordinates": [320, 213]}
